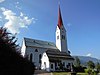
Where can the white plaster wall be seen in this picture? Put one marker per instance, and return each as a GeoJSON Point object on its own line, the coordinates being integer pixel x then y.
{"type": "Point", "coordinates": [35, 57]}
{"type": "Point", "coordinates": [45, 59]}
{"type": "Point", "coordinates": [67, 61]}
{"type": "Point", "coordinates": [58, 41]}
{"type": "Point", "coordinates": [23, 48]}
{"type": "Point", "coordinates": [61, 43]}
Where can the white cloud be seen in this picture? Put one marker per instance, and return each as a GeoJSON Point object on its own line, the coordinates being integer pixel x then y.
{"type": "Point", "coordinates": [2, 8]}
{"type": "Point", "coordinates": [17, 5]}
{"type": "Point", "coordinates": [0, 18]}
{"type": "Point", "coordinates": [15, 23]}
{"type": "Point", "coordinates": [2, 1]}
{"type": "Point", "coordinates": [21, 14]}
{"type": "Point", "coordinates": [89, 54]}
{"type": "Point", "coordinates": [17, 2]}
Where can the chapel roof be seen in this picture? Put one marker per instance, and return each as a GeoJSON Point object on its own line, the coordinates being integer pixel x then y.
{"type": "Point", "coordinates": [39, 43]}
{"type": "Point", "coordinates": [57, 55]}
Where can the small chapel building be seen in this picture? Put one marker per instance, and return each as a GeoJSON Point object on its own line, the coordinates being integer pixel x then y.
{"type": "Point", "coordinates": [47, 55]}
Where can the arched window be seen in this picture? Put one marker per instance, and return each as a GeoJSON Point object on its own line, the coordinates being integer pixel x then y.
{"type": "Point", "coordinates": [40, 58]}
{"type": "Point", "coordinates": [51, 66]}
{"type": "Point", "coordinates": [36, 50]}
{"type": "Point", "coordinates": [31, 55]}
{"type": "Point", "coordinates": [58, 37]}
{"type": "Point", "coordinates": [63, 37]}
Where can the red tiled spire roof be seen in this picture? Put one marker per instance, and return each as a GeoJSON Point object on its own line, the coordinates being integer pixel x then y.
{"type": "Point", "coordinates": [60, 22]}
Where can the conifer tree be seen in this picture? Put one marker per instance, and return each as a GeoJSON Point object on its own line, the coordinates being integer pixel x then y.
{"type": "Point", "coordinates": [77, 62]}
{"type": "Point", "coordinates": [11, 62]}
{"type": "Point", "coordinates": [91, 64]}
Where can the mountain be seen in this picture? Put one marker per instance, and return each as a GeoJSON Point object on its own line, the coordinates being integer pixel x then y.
{"type": "Point", "coordinates": [85, 59]}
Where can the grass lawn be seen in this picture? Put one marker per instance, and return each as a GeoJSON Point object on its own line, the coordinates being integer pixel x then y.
{"type": "Point", "coordinates": [82, 74]}
{"type": "Point", "coordinates": [60, 73]}
{"type": "Point", "coordinates": [66, 73]}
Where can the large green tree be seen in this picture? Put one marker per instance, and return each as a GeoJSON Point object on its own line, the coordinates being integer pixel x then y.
{"type": "Point", "coordinates": [8, 39]}
{"type": "Point", "coordinates": [98, 66]}
{"type": "Point", "coordinates": [11, 62]}
{"type": "Point", "coordinates": [92, 69]}
{"type": "Point", "coordinates": [91, 64]}
{"type": "Point", "coordinates": [77, 62]}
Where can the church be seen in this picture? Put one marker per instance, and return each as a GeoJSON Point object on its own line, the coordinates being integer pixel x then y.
{"type": "Point", "coordinates": [47, 55]}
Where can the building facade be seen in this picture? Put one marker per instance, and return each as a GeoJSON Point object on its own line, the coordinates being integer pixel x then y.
{"type": "Point", "coordinates": [48, 55]}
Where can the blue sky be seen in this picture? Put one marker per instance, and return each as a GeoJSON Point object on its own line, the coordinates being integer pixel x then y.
{"type": "Point", "coordinates": [37, 19]}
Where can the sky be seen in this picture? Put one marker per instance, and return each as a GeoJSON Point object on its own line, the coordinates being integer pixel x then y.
{"type": "Point", "coordinates": [37, 19]}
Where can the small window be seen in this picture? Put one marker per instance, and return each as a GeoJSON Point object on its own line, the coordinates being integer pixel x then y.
{"type": "Point", "coordinates": [36, 50]}
{"type": "Point", "coordinates": [51, 66]}
{"type": "Point", "coordinates": [40, 58]}
{"type": "Point", "coordinates": [57, 37]}
{"type": "Point", "coordinates": [31, 55]}
{"type": "Point", "coordinates": [69, 64]}
{"type": "Point", "coordinates": [63, 37]}
{"type": "Point", "coordinates": [45, 65]}
{"type": "Point", "coordinates": [44, 55]}
{"type": "Point", "coordinates": [63, 63]}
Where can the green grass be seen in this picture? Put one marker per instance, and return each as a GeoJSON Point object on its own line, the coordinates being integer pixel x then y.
{"type": "Point", "coordinates": [67, 73]}
{"type": "Point", "coordinates": [82, 74]}
{"type": "Point", "coordinates": [60, 73]}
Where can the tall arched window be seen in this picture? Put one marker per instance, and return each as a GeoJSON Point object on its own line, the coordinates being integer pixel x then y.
{"type": "Point", "coordinates": [40, 58]}
{"type": "Point", "coordinates": [31, 55]}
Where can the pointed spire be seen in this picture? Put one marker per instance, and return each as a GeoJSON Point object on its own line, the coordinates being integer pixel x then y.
{"type": "Point", "coordinates": [60, 22]}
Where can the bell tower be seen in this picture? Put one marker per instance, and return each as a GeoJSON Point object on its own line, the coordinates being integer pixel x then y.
{"type": "Point", "coordinates": [61, 39]}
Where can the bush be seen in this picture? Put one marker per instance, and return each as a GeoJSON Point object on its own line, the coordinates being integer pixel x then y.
{"type": "Point", "coordinates": [91, 71]}
{"type": "Point", "coordinates": [79, 69]}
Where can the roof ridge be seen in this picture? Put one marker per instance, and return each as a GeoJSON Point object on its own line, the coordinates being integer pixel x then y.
{"type": "Point", "coordinates": [39, 40]}
{"type": "Point", "coordinates": [39, 43]}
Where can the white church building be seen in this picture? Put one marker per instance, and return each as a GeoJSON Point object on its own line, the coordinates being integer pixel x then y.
{"type": "Point", "coordinates": [47, 55]}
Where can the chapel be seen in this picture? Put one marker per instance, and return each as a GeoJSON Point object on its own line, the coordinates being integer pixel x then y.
{"type": "Point", "coordinates": [47, 55]}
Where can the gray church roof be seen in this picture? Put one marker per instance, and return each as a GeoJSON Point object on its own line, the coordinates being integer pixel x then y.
{"type": "Point", "coordinates": [56, 55]}
{"type": "Point", "coordinates": [39, 43]}
{"type": "Point", "coordinates": [53, 53]}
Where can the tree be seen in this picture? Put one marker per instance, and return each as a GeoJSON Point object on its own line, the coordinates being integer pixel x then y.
{"type": "Point", "coordinates": [8, 39]}
{"type": "Point", "coordinates": [90, 64]}
{"type": "Point", "coordinates": [89, 71]}
{"type": "Point", "coordinates": [11, 62]}
{"type": "Point", "coordinates": [77, 65]}
{"type": "Point", "coordinates": [98, 66]}
{"type": "Point", "coordinates": [77, 62]}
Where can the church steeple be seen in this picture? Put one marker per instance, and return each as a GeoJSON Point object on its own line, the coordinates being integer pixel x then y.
{"type": "Point", "coordinates": [61, 38]}
{"type": "Point", "coordinates": [60, 22]}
